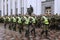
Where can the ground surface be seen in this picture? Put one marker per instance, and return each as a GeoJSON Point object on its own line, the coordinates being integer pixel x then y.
{"type": "Point", "coordinates": [6, 34]}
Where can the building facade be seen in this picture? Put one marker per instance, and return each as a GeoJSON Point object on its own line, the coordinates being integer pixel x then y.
{"type": "Point", "coordinates": [47, 7]}
{"type": "Point", "coordinates": [50, 6]}
{"type": "Point", "coordinates": [57, 6]}
{"type": "Point", "coordinates": [0, 7]}
{"type": "Point", "coordinates": [13, 7]}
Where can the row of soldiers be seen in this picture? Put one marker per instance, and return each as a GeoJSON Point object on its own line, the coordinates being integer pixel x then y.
{"type": "Point", "coordinates": [29, 22]}
{"type": "Point", "coordinates": [19, 22]}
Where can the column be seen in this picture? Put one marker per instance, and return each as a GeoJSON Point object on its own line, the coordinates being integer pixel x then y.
{"type": "Point", "coordinates": [57, 6]}
{"type": "Point", "coordinates": [13, 7]}
{"type": "Point", "coordinates": [2, 8]}
{"type": "Point", "coordinates": [16, 8]}
{"type": "Point", "coordinates": [22, 6]}
{"type": "Point", "coordinates": [5, 7]}
{"type": "Point", "coordinates": [9, 7]}
{"type": "Point", "coordinates": [25, 6]}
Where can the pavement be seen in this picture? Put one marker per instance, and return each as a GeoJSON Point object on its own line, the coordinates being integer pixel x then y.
{"type": "Point", "coordinates": [6, 34]}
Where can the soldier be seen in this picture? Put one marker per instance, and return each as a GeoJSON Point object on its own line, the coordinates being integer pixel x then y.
{"type": "Point", "coordinates": [20, 24]}
{"type": "Point", "coordinates": [27, 25]}
{"type": "Point", "coordinates": [14, 23]}
{"type": "Point", "coordinates": [33, 24]}
{"type": "Point", "coordinates": [11, 22]}
{"type": "Point", "coordinates": [4, 21]}
{"type": "Point", "coordinates": [9, 19]}
{"type": "Point", "coordinates": [38, 22]}
{"type": "Point", "coordinates": [45, 25]}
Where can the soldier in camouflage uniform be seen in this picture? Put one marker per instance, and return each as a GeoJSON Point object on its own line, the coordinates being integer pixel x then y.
{"type": "Point", "coordinates": [45, 25]}
{"type": "Point", "coordinates": [6, 22]}
{"type": "Point", "coordinates": [9, 23]}
{"type": "Point", "coordinates": [13, 21]}
{"type": "Point", "coordinates": [33, 25]}
{"type": "Point", "coordinates": [20, 24]}
{"type": "Point", "coordinates": [27, 25]}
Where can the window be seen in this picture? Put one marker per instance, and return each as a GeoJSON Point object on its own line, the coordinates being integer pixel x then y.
{"type": "Point", "coordinates": [7, 9]}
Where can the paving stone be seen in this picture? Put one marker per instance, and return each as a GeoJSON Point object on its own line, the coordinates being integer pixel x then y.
{"type": "Point", "coordinates": [12, 35]}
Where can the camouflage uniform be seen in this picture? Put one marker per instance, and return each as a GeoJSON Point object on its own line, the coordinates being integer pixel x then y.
{"type": "Point", "coordinates": [33, 25]}
{"type": "Point", "coordinates": [45, 25]}
{"type": "Point", "coordinates": [20, 24]}
{"type": "Point", "coordinates": [6, 22]}
{"type": "Point", "coordinates": [13, 19]}
{"type": "Point", "coordinates": [9, 23]}
{"type": "Point", "coordinates": [27, 25]}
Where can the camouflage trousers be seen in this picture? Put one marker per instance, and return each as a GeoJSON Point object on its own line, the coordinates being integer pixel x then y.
{"type": "Point", "coordinates": [20, 27]}
{"type": "Point", "coordinates": [45, 30]}
{"type": "Point", "coordinates": [5, 25]}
